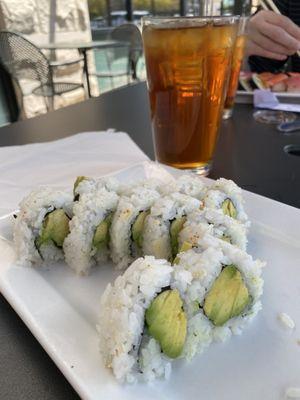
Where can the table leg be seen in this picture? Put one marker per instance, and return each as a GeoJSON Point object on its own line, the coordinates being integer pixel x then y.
{"type": "Point", "coordinates": [86, 71]}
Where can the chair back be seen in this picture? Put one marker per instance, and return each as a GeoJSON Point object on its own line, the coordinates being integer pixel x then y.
{"type": "Point", "coordinates": [22, 59]}
{"type": "Point", "coordinates": [129, 33]}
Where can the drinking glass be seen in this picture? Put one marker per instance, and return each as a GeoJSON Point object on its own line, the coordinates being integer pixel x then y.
{"type": "Point", "coordinates": [187, 63]}
{"type": "Point", "coordinates": [237, 59]}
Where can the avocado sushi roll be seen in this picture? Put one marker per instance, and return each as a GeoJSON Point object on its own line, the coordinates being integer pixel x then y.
{"type": "Point", "coordinates": [210, 221]}
{"type": "Point", "coordinates": [221, 287]}
{"type": "Point", "coordinates": [226, 196]}
{"type": "Point", "coordinates": [41, 226]}
{"type": "Point", "coordinates": [88, 241]}
{"type": "Point", "coordinates": [142, 324]}
{"type": "Point", "coordinates": [165, 221]}
{"type": "Point", "coordinates": [127, 227]}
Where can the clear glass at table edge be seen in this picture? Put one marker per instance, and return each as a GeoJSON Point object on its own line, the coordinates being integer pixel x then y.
{"type": "Point", "coordinates": [187, 64]}
{"type": "Point", "coordinates": [275, 117]}
{"type": "Point", "coordinates": [237, 61]}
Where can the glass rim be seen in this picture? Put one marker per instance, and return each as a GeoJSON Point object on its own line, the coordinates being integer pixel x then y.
{"type": "Point", "coordinates": [190, 17]}
{"type": "Point", "coordinates": [243, 21]}
{"type": "Point", "coordinates": [157, 20]}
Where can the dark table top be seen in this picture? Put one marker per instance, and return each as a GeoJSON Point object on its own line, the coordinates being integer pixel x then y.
{"type": "Point", "coordinates": [250, 153]}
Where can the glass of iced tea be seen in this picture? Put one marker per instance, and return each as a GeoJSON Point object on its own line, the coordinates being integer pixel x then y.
{"type": "Point", "coordinates": [187, 62]}
{"type": "Point", "coordinates": [237, 60]}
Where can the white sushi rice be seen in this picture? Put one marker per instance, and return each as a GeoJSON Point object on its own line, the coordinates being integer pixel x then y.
{"type": "Point", "coordinates": [91, 209]}
{"type": "Point", "coordinates": [224, 189]}
{"type": "Point", "coordinates": [213, 222]}
{"type": "Point", "coordinates": [88, 185]}
{"type": "Point", "coordinates": [123, 249]}
{"type": "Point", "coordinates": [125, 349]}
{"type": "Point", "coordinates": [126, 189]}
{"type": "Point", "coordinates": [29, 222]}
{"type": "Point", "coordinates": [286, 321]}
{"type": "Point", "coordinates": [194, 276]}
{"type": "Point", "coordinates": [292, 393]}
{"type": "Point", "coordinates": [190, 185]}
{"type": "Point", "coordinates": [157, 225]}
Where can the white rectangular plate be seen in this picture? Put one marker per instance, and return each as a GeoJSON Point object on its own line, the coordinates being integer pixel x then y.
{"type": "Point", "coordinates": [244, 97]}
{"type": "Point", "coordinates": [61, 310]}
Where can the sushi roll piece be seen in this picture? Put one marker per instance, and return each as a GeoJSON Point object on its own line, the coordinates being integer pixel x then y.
{"type": "Point", "coordinates": [221, 288]}
{"type": "Point", "coordinates": [142, 324]}
{"type": "Point", "coordinates": [85, 184]}
{"type": "Point", "coordinates": [165, 221]}
{"type": "Point", "coordinates": [209, 221]}
{"type": "Point", "coordinates": [128, 225]}
{"type": "Point", "coordinates": [41, 226]}
{"type": "Point", "coordinates": [126, 189]}
{"type": "Point", "coordinates": [226, 196]}
{"type": "Point", "coordinates": [190, 185]}
{"type": "Point", "coordinates": [89, 239]}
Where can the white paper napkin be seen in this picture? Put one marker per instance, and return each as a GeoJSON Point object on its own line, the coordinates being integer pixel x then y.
{"type": "Point", "coordinates": [267, 99]}
{"type": "Point", "coordinates": [58, 163]}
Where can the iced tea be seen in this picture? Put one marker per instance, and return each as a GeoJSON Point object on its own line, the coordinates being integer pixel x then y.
{"type": "Point", "coordinates": [187, 64]}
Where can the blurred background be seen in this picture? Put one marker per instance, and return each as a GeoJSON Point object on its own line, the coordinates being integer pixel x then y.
{"type": "Point", "coordinates": [60, 29]}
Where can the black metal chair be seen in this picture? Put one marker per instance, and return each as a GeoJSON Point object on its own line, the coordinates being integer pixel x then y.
{"type": "Point", "coordinates": [9, 96]}
{"type": "Point", "coordinates": [24, 60]}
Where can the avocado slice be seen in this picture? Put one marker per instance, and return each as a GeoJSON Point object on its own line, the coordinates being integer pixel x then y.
{"type": "Point", "coordinates": [138, 227]}
{"type": "Point", "coordinates": [101, 235]}
{"type": "Point", "coordinates": [185, 247]}
{"type": "Point", "coordinates": [55, 228]}
{"type": "Point", "coordinates": [76, 183]}
{"type": "Point", "coordinates": [167, 323]}
{"type": "Point", "coordinates": [229, 208]}
{"type": "Point", "coordinates": [227, 298]}
{"type": "Point", "coordinates": [175, 228]}
{"type": "Point", "coordinates": [226, 238]}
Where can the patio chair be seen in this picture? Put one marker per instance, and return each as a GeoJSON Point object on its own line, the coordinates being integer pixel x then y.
{"type": "Point", "coordinates": [131, 34]}
{"type": "Point", "coordinates": [129, 51]}
{"type": "Point", "coordinates": [24, 60]}
{"type": "Point", "coordinates": [112, 63]}
{"type": "Point", "coordinates": [8, 97]}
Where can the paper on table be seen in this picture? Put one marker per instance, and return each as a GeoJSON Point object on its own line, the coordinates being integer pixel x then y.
{"type": "Point", "coordinates": [58, 163]}
{"type": "Point", "coordinates": [267, 99]}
